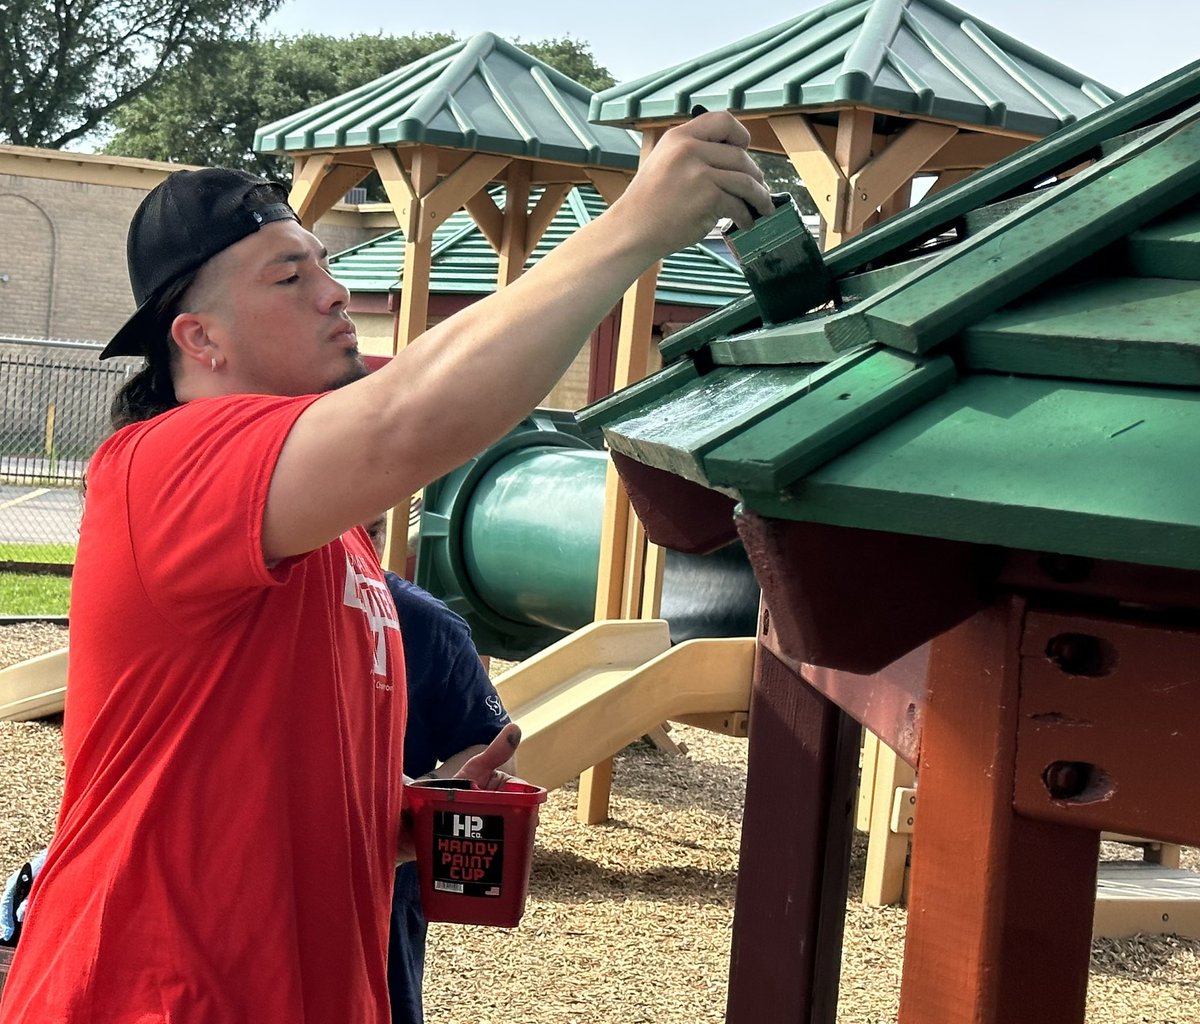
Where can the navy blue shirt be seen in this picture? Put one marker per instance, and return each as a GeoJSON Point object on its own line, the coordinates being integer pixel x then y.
{"type": "Point", "coordinates": [452, 705]}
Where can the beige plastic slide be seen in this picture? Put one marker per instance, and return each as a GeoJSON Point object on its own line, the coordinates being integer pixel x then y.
{"type": "Point", "coordinates": [33, 688]}
{"type": "Point", "coordinates": [578, 702]}
{"type": "Point", "coordinates": [586, 697]}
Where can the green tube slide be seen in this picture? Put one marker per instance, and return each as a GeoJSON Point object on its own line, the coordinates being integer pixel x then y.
{"type": "Point", "coordinates": [511, 541]}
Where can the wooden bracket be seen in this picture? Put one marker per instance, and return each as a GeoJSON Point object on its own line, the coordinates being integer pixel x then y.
{"type": "Point", "coordinates": [889, 171]}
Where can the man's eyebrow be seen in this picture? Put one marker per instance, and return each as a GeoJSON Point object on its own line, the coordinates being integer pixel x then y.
{"type": "Point", "coordinates": [297, 257]}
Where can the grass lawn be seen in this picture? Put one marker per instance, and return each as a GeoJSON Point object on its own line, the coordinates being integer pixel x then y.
{"type": "Point", "coordinates": [24, 593]}
{"type": "Point", "coordinates": [57, 554]}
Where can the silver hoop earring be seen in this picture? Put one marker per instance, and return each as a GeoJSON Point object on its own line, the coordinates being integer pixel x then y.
{"type": "Point", "coordinates": [213, 364]}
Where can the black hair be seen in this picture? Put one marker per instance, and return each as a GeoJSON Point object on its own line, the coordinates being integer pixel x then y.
{"type": "Point", "coordinates": [151, 390]}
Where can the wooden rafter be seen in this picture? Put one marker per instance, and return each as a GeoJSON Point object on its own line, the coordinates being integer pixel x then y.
{"type": "Point", "coordinates": [889, 171]}
{"type": "Point", "coordinates": [307, 173]}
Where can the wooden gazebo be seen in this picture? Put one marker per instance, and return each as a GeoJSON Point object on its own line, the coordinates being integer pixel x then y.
{"type": "Point", "coordinates": [957, 476]}
{"type": "Point", "coordinates": [439, 131]}
{"type": "Point", "coordinates": [862, 96]}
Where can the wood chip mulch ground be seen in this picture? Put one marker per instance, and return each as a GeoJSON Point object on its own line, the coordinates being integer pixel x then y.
{"type": "Point", "coordinates": [629, 922]}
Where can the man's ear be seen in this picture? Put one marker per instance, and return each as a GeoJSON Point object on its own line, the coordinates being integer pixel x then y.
{"type": "Point", "coordinates": [190, 334]}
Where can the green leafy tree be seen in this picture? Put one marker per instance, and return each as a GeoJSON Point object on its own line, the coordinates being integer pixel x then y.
{"type": "Point", "coordinates": [67, 65]}
{"type": "Point", "coordinates": [207, 110]}
{"type": "Point", "coordinates": [573, 58]}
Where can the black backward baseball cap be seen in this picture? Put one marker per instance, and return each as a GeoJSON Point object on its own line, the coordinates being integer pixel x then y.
{"type": "Point", "coordinates": [182, 223]}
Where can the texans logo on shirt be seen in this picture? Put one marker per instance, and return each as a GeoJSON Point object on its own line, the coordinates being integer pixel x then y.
{"type": "Point", "coordinates": [495, 706]}
{"type": "Point", "coordinates": [365, 592]}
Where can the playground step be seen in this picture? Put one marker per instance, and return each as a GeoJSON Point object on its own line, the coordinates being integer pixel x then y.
{"type": "Point", "coordinates": [1150, 898]}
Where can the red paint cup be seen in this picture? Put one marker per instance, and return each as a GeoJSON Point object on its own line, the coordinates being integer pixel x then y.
{"type": "Point", "coordinates": [474, 848]}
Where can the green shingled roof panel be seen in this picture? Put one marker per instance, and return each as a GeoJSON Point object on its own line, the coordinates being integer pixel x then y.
{"type": "Point", "coordinates": [481, 94]}
{"type": "Point", "coordinates": [1034, 384]}
{"type": "Point", "coordinates": [464, 263]}
{"type": "Point", "coordinates": [1048, 465]}
{"type": "Point", "coordinates": [914, 57]}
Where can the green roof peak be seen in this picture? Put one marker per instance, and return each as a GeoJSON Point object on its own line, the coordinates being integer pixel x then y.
{"type": "Point", "coordinates": [481, 93]}
{"type": "Point", "coordinates": [909, 57]}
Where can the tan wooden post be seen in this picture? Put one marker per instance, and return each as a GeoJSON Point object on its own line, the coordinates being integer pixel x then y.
{"type": "Point", "coordinates": [620, 580]}
{"type": "Point", "coordinates": [421, 203]}
{"type": "Point", "coordinates": [513, 245]}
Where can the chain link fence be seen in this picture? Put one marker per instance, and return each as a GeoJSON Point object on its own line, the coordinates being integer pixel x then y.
{"type": "Point", "coordinates": [54, 400]}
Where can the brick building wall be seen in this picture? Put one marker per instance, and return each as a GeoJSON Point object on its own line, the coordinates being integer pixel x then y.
{"type": "Point", "coordinates": [63, 221]}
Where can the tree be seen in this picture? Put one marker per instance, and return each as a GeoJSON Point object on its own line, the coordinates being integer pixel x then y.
{"type": "Point", "coordinates": [207, 110]}
{"type": "Point", "coordinates": [67, 65]}
{"type": "Point", "coordinates": [573, 57]}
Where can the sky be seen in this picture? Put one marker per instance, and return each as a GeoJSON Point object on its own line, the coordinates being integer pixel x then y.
{"type": "Point", "coordinates": [1120, 44]}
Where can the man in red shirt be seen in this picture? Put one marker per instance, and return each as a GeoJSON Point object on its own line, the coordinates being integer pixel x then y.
{"type": "Point", "coordinates": [235, 713]}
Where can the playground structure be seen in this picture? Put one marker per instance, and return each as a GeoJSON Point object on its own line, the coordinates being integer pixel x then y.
{"type": "Point", "coordinates": [801, 649]}
{"type": "Point", "coordinates": [956, 476]}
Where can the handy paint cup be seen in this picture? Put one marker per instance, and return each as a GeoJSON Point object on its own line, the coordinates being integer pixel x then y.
{"type": "Point", "coordinates": [474, 848]}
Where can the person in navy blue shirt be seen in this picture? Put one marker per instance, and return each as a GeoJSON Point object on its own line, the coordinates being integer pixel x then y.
{"type": "Point", "coordinates": [453, 713]}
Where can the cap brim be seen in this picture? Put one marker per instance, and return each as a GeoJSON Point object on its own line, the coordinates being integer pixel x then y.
{"type": "Point", "coordinates": [137, 334]}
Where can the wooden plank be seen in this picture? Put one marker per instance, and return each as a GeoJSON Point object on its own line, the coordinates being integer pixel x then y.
{"type": "Point", "coordinates": [730, 723]}
{"type": "Point", "coordinates": [451, 193]}
{"type": "Point", "coordinates": [866, 781]}
{"type": "Point", "coordinates": [794, 863]}
{"type": "Point", "coordinates": [817, 167]}
{"type": "Point", "coordinates": [851, 152]}
{"type": "Point", "coordinates": [1169, 248]}
{"type": "Point", "coordinates": [983, 218]}
{"type": "Point", "coordinates": [613, 407]}
{"type": "Point", "coordinates": [1021, 171]}
{"type": "Point", "coordinates": [306, 178]}
{"type": "Point", "coordinates": [401, 192]}
{"type": "Point", "coordinates": [834, 412]}
{"type": "Point", "coordinates": [898, 201]}
{"type": "Point", "coordinates": [610, 184]}
{"type": "Point", "coordinates": [708, 412]}
{"type": "Point", "coordinates": [946, 180]}
{"type": "Point", "coordinates": [981, 948]}
{"type": "Point", "coordinates": [595, 787]}
{"type": "Point", "coordinates": [887, 851]}
{"type": "Point", "coordinates": [1107, 483]}
{"type": "Point", "coordinates": [1050, 234]}
{"type": "Point", "coordinates": [970, 150]}
{"type": "Point", "coordinates": [406, 190]}
{"type": "Point", "coordinates": [331, 189]}
{"type": "Point", "coordinates": [856, 287]}
{"type": "Point", "coordinates": [658, 496]}
{"type": "Point", "coordinates": [889, 171]}
{"type": "Point", "coordinates": [514, 249]}
{"type": "Point", "coordinates": [1125, 330]}
{"type": "Point", "coordinates": [1085, 681]}
{"type": "Point", "coordinates": [544, 212]}
{"type": "Point", "coordinates": [800, 341]}
{"type": "Point", "coordinates": [727, 320]}
{"type": "Point", "coordinates": [487, 217]}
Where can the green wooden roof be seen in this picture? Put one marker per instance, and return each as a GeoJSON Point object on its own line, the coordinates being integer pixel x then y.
{"type": "Point", "coordinates": [915, 57]}
{"type": "Point", "coordinates": [465, 264]}
{"type": "Point", "coordinates": [482, 94]}
{"type": "Point", "coordinates": [1013, 362]}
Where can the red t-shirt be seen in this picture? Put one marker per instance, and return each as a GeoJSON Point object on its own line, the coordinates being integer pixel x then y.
{"type": "Point", "coordinates": [233, 736]}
